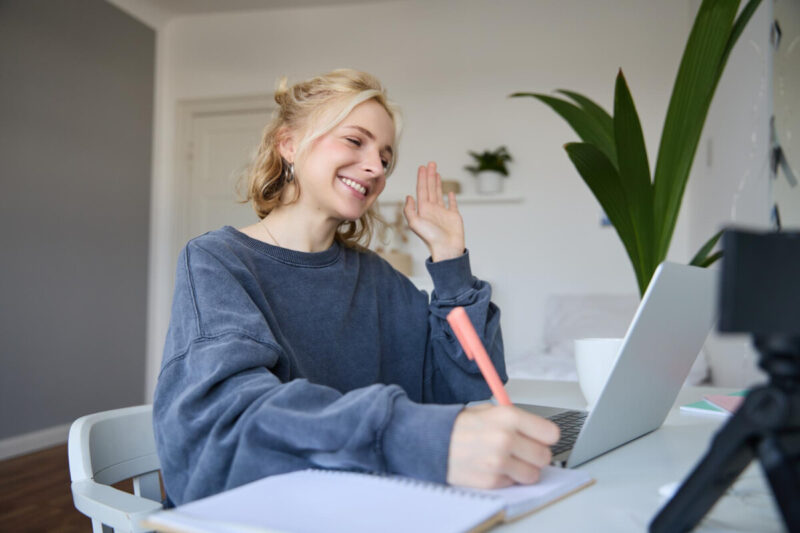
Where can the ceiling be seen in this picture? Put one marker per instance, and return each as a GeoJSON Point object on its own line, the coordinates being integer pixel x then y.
{"type": "Point", "coordinates": [156, 13]}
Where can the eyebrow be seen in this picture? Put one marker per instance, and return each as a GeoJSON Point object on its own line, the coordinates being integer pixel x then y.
{"type": "Point", "coordinates": [369, 134]}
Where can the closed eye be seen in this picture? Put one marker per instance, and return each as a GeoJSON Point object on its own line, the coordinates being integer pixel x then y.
{"type": "Point", "coordinates": [357, 142]}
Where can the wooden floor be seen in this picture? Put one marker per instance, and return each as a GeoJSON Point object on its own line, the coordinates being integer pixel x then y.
{"type": "Point", "coordinates": [35, 495]}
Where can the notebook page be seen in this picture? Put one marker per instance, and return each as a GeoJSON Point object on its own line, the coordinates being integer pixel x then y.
{"type": "Point", "coordinates": [176, 522]}
{"type": "Point", "coordinates": [343, 502]}
{"type": "Point", "coordinates": [553, 484]}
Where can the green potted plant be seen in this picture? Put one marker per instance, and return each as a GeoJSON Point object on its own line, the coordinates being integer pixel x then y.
{"type": "Point", "coordinates": [612, 158]}
{"type": "Point", "coordinates": [490, 169]}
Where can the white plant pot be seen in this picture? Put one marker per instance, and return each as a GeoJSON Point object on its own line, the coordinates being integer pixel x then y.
{"type": "Point", "coordinates": [490, 182]}
{"type": "Point", "coordinates": [594, 359]}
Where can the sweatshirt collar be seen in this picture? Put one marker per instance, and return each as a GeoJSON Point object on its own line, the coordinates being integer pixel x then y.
{"type": "Point", "coordinates": [284, 255]}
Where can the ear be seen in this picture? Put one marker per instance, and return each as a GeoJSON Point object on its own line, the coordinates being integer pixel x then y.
{"type": "Point", "coordinates": [287, 144]}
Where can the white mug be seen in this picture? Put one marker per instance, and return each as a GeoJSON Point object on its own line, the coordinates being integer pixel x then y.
{"type": "Point", "coordinates": [594, 359]}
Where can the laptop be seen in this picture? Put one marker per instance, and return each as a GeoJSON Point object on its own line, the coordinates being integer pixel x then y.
{"type": "Point", "coordinates": [662, 342]}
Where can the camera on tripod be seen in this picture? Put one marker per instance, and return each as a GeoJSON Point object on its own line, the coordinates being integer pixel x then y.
{"type": "Point", "coordinates": [760, 284]}
{"type": "Point", "coordinates": [759, 294]}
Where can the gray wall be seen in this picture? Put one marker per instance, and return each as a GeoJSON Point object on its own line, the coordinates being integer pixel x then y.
{"type": "Point", "coordinates": [76, 100]}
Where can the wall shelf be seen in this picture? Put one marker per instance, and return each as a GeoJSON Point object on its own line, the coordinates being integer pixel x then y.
{"type": "Point", "coordinates": [466, 199]}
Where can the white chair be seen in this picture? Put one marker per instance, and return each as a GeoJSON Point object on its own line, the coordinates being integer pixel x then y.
{"type": "Point", "coordinates": [109, 447]}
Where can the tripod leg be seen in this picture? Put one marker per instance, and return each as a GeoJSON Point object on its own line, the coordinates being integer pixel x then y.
{"type": "Point", "coordinates": [783, 476]}
{"type": "Point", "coordinates": [728, 456]}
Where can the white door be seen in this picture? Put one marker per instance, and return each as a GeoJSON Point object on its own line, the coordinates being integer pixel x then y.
{"type": "Point", "coordinates": [219, 146]}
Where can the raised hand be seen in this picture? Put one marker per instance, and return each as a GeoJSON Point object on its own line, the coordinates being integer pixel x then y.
{"type": "Point", "coordinates": [439, 226]}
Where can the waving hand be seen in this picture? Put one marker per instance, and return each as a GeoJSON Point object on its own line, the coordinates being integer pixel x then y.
{"type": "Point", "coordinates": [440, 226]}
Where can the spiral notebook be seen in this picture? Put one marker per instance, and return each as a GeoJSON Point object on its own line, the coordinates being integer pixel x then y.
{"type": "Point", "coordinates": [335, 501]}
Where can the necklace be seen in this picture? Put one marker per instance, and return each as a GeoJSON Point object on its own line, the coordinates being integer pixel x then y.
{"type": "Point", "coordinates": [271, 236]}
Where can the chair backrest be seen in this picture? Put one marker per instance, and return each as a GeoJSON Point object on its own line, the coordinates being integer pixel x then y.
{"type": "Point", "coordinates": [112, 446]}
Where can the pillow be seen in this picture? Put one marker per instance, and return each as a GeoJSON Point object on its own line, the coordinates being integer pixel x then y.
{"type": "Point", "coordinates": [577, 316]}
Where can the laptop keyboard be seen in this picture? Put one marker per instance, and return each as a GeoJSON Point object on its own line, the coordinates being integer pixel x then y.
{"type": "Point", "coordinates": [570, 423]}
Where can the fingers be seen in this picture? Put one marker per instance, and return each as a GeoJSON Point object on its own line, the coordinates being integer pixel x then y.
{"type": "Point", "coordinates": [531, 453]}
{"type": "Point", "coordinates": [506, 470]}
{"type": "Point", "coordinates": [520, 471]}
{"type": "Point", "coordinates": [536, 427]}
{"type": "Point", "coordinates": [429, 184]}
{"type": "Point", "coordinates": [452, 205]}
{"type": "Point", "coordinates": [485, 480]}
{"type": "Point", "coordinates": [433, 179]}
{"type": "Point", "coordinates": [491, 481]}
{"type": "Point", "coordinates": [410, 209]}
{"type": "Point", "coordinates": [510, 442]}
{"type": "Point", "coordinates": [491, 446]}
{"type": "Point", "coordinates": [422, 184]}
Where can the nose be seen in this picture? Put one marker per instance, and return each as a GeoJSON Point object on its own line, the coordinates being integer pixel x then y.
{"type": "Point", "coordinates": [373, 163]}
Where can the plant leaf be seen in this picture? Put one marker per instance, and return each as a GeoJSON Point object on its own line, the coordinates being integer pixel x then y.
{"type": "Point", "coordinates": [598, 113]}
{"type": "Point", "coordinates": [588, 128]}
{"type": "Point", "coordinates": [711, 259]}
{"type": "Point", "coordinates": [702, 253]}
{"type": "Point", "coordinates": [691, 97]}
{"type": "Point", "coordinates": [738, 28]}
{"type": "Point", "coordinates": [604, 181]}
{"type": "Point", "coordinates": [634, 173]}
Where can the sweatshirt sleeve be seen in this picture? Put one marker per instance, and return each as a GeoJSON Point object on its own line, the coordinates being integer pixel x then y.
{"type": "Point", "coordinates": [454, 378]}
{"type": "Point", "coordinates": [222, 417]}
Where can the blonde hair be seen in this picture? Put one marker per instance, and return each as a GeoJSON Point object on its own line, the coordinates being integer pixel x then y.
{"type": "Point", "coordinates": [304, 108]}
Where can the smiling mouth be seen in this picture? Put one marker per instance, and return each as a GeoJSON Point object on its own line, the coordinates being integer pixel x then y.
{"type": "Point", "coordinates": [353, 185]}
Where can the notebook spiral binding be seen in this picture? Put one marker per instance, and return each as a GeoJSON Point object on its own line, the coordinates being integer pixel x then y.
{"type": "Point", "coordinates": [412, 482]}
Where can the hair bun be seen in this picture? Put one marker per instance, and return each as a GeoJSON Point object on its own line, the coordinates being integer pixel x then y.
{"type": "Point", "coordinates": [282, 91]}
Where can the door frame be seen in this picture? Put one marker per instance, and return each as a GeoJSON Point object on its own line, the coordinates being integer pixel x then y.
{"type": "Point", "coordinates": [187, 111]}
{"type": "Point", "coordinates": [169, 206]}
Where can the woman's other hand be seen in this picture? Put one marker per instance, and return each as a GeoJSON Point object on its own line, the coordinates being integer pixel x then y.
{"type": "Point", "coordinates": [440, 226]}
{"type": "Point", "coordinates": [497, 446]}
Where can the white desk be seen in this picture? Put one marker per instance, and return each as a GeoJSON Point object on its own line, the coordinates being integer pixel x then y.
{"type": "Point", "coordinates": [625, 494]}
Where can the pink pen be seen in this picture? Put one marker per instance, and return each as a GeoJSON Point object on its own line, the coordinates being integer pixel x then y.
{"type": "Point", "coordinates": [473, 347]}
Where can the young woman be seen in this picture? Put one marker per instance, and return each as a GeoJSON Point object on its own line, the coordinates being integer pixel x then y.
{"type": "Point", "coordinates": [292, 346]}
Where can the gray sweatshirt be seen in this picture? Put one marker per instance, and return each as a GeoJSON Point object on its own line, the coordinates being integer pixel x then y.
{"type": "Point", "coordinates": [278, 360]}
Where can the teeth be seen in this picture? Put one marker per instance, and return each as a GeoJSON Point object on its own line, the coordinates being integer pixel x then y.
{"type": "Point", "coordinates": [353, 185]}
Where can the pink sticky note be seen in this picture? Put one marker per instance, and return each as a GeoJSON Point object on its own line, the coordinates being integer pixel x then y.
{"type": "Point", "coordinates": [728, 403]}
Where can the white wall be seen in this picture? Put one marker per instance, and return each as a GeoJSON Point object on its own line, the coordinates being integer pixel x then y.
{"type": "Point", "coordinates": [730, 182]}
{"type": "Point", "coordinates": [72, 276]}
{"type": "Point", "coordinates": [450, 65]}
{"type": "Point", "coordinates": [786, 78]}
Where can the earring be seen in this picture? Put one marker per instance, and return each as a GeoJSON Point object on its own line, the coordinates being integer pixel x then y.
{"type": "Point", "coordinates": [290, 173]}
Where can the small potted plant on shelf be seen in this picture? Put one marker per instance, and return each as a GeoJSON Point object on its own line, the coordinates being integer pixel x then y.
{"type": "Point", "coordinates": [490, 169]}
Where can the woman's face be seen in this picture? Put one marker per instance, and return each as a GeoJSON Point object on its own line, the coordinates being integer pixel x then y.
{"type": "Point", "coordinates": [344, 171]}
